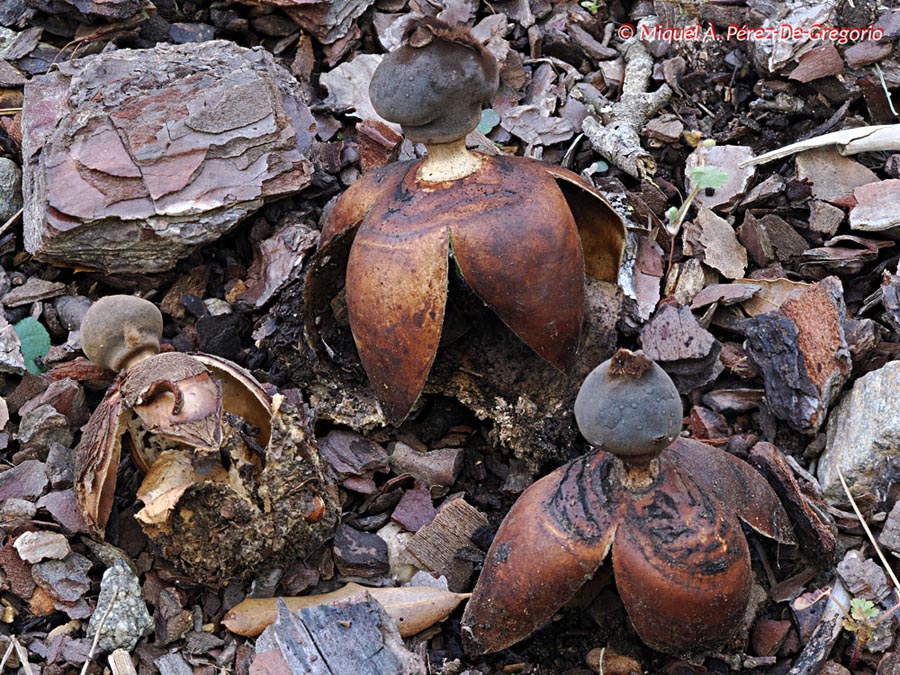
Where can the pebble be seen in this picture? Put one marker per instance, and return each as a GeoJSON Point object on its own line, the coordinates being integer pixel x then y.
{"type": "Point", "coordinates": [864, 437]}
{"type": "Point", "coordinates": [127, 620]}
{"type": "Point", "coordinates": [34, 547]}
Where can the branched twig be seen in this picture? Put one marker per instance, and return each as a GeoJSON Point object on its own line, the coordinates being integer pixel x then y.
{"type": "Point", "coordinates": [618, 138]}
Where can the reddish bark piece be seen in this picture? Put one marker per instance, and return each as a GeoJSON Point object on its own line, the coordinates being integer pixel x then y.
{"type": "Point", "coordinates": [820, 61]}
{"type": "Point", "coordinates": [816, 531]}
{"type": "Point", "coordinates": [705, 423]}
{"type": "Point", "coordinates": [277, 261]}
{"type": "Point", "coordinates": [65, 580]}
{"type": "Point", "coordinates": [16, 572]}
{"type": "Point", "coordinates": [64, 509]}
{"type": "Point", "coordinates": [802, 353]}
{"type": "Point", "coordinates": [768, 635]}
{"type": "Point", "coordinates": [725, 294]}
{"type": "Point", "coordinates": [414, 510]}
{"type": "Point", "coordinates": [67, 397]}
{"type": "Point", "coordinates": [95, 169]}
{"type": "Point", "coordinates": [378, 144]}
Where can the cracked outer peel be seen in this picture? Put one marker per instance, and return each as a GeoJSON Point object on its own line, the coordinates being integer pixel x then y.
{"type": "Point", "coordinates": [96, 461]}
{"type": "Point", "coordinates": [518, 249]}
{"type": "Point", "coordinates": [601, 229]}
{"type": "Point", "coordinates": [738, 486]}
{"type": "Point", "coordinates": [396, 292]}
{"type": "Point", "coordinates": [552, 541]}
{"type": "Point", "coordinates": [681, 564]}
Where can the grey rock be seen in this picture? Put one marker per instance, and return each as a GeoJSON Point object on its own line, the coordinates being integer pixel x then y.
{"type": "Point", "coordinates": [24, 481]}
{"type": "Point", "coordinates": [71, 309]}
{"type": "Point", "coordinates": [16, 513]}
{"type": "Point", "coordinates": [132, 158]}
{"type": "Point", "coordinates": [11, 359]}
{"type": "Point", "coordinates": [890, 533]}
{"type": "Point", "coordinates": [42, 426]}
{"type": "Point", "coordinates": [128, 619]}
{"type": "Point", "coordinates": [60, 467]}
{"type": "Point", "coordinates": [108, 9]}
{"type": "Point", "coordinates": [10, 189]}
{"type": "Point", "coordinates": [65, 580]}
{"type": "Point", "coordinates": [864, 438]}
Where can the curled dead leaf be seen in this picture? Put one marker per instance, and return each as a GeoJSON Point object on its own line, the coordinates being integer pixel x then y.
{"type": "Point", "coordinates": [415, 608]}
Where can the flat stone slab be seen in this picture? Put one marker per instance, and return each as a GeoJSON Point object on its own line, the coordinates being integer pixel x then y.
{"type": "Point", "coordinates": [132, 158]}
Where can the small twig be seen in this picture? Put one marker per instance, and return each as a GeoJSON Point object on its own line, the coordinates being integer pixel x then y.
{"type": "Point", "coordinates": [887, 92]}
{"type": "Point", "coordinates": [12, 219]}
{"type": "Point", "coordinates": [7, 654]}
{"type": "Point", "coordinates": [10, 111]}
{"type": "Point", "coordinates": [865, 526]}
{"type": "Point", "coordinates": [96, 641]}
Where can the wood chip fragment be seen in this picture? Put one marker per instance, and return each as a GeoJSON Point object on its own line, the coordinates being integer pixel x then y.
{"type": "Point", "coordinates": [436, 546]}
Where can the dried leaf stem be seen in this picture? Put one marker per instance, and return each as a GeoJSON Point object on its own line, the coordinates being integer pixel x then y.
{"type": "Point", "coordinates": [865, 526]}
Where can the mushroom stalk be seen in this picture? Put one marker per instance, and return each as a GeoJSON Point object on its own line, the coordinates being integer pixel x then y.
{"type": "Point", "coordinates": [448, 161]}
{"type": "Point", "coordinates": [637, 476]}
{"type": "Point", "coordinates": [138, 356]}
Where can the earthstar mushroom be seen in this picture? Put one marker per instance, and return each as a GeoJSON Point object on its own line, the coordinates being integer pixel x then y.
{"type": "Point", "coordinates": [233, 480]}
{"type": "Point", "coordinates": [522, 234]}
{"type": "Point", "coordinates": [667, 508]}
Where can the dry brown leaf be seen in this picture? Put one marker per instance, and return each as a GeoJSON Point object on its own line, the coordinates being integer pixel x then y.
{"type": "Point", "coordinates": [771, 295]}
{"type": "Point", "coordinates": [415, 608]}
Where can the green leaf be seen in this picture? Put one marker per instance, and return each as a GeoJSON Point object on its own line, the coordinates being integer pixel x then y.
{"type": "Point", "coordinates": [489, 120]}
{"type": "Point", "coordinates": [863, 610]}
{"type": "Point", "coordinates": [35, 342]}
{"type": "Point", "coordinates": [707, 176]}
{"type": "Point", "coordinates": [672, 213]}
